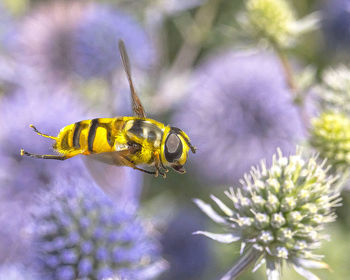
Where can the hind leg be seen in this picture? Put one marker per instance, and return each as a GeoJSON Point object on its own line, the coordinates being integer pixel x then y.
{"type": "Point", "coordinates": [42, 134]}
{"type": "Point", "coordinates": [24, 153]}
{"type": "Point", "coordinates": [57, 157]}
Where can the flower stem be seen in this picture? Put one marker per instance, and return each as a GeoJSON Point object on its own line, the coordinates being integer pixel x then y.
{"type": "Point", "coordinates": [287, 70]}
{"type": "Point", "coordinates": [196, 35]}
{"type": "Point", "coordinates": [297, 97]}
{"type": "Point", "coordinates": [242, 264]}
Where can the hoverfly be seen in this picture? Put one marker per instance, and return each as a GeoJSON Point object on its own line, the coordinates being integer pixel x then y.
{"type": "Point", "coordinates": [123, 141]}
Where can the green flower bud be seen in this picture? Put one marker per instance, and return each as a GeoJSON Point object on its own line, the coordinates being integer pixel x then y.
{"type": "Point", "coordinates": [271, 19]}
{"type": "Point", "coordinates": [330, 136]}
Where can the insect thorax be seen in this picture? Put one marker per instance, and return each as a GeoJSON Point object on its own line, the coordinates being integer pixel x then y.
{"type": "Point", "coordinates": [141, 130]}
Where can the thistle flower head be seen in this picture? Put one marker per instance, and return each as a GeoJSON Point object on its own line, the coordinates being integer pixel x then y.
{"type": "Point", "coordinates": [331, 138]}
{"type": "Point", "coordinates": [6, 26]}
{"type": "Point", "coordinates": [21, 178]}
{"type": "Point", "coordinates": [16, 271]}
{"type": "Point", "coordinates": [335, 89]}
{"type": "Point", "coordinates": [65, 39]}
{"type": "Point", "coordinates": [95, 42]}
{"type": "Point", "coordinates": [80, 233]}
{"type": "Point", "coordinates": [277, 214]}
{"type": "Point", "coordinates": [275, 21]}
{"type": "Point", "coordinates": [243, 111]}
{"type": "Point", "coordinates": [336, 20]}
{"type": "Point", "coordinates": [271, 18]}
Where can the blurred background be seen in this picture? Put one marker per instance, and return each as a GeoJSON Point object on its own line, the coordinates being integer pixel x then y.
{"type": "Point", "coordinates": [200, 65]}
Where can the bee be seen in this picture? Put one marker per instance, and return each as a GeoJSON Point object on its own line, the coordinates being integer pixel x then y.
{"type": "Point", "coordinates": [123, 141]}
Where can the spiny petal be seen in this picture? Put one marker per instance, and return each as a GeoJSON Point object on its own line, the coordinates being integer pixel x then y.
{"type": "Point", "coordinates": [222, 206]}
{"type": "Point", "coordinates": [242, 264]}
{"type": "Point", "coordinates": [220, 237]}
{"type": "Point", "coordinates": [207, 209]}
{"type": "Point", "coordinates": [272, 270]}
{"type": "Point", "coordinates": [258, 264]}
{"type": "Point", "coordinates": [305, 273]}
{"type": "Point", "coordinates": [311, 264]}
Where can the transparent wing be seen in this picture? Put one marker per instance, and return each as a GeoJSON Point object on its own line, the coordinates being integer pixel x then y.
{"type": "Point", "coordinates": [122, 184]}
{"type": "Point", "coordinates": [136, 103]}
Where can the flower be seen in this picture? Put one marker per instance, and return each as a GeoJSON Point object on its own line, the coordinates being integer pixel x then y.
{"type": "Point", "coordinates": [335, 89]}
{"type": "Point", "coordinates": [278, 215]}
{"type": "Point", "coordinates": [21, 178]}
{"type": "Point", "coordinates": [336, 20]}
{"type": "Point", "coordinates": [271, 18]}
{"type": "Point", "coordinates": [330, 136]}
{"type": "Point", "coordinates": [80, 233]}
{"type": "Point", "coordinates": [64, 39]}
{"type": "Point", "coordinates": [16, 272]}
{"type": "Point", "coordinates": [275, 21]}
{"type": "Point", "coordinates": [187, 255]}
{"type": "Point", "coordinates": [95, 42]}
{"type": "Point", "coordinates": [238, 110]}
{"type": "Point", "coordinates": [6, 27]}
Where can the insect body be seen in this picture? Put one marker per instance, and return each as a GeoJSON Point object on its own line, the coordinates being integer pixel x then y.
{"type": "Point", "coordinates": [128, 141]}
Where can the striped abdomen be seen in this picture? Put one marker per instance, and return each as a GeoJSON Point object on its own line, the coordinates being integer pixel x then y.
{"type": "Point", "coordinates": [89, 136]}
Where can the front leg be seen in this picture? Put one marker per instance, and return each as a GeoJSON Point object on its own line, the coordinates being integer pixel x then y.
{"type": "Point", "coordinates": [158, 165]}
{"type": "Point", "coordinates": [133, 148]}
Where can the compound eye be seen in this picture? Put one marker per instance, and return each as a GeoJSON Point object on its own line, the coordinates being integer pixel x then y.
{"type": "Point", "coordinates": [173, 148]}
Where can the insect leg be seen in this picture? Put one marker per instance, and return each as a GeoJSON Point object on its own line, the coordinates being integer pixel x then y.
{"type": "Point", "coordinates": [57, 157]}
{"type": "Point", "coordinates": [128, 162]}
{"type": "Point", "coordinates": [146, 171]}
{"type": "Point", "coordinates": [159, 164]}
{"type": "Point", "coordinates": [42, 134]}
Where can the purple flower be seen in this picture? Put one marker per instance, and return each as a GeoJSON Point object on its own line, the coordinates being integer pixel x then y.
{"type": "Point", "coordinates": [336, 15]}
{"type": "Point", "coordinates": [67, 39]}
{"type": "Point", "coordinates": [81, 233]}
{"type": "Point", "coordinates": [237, 112]}
{"type": "Point", "coordinates": [16, 271]}
{"type": "Point", "coordinates": [21, 178]}
{"type": "Point", "coordinates": [6, 27]}
{"type": "Point", "coordinates": [95, 42]}
{"type": "Point", "coordinates": [188, 256]}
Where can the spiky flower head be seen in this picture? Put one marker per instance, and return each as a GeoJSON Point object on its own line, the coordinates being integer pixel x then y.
{"type": "Point", "coordinates": [64, 39]}
{"type": "Point", "coordinates": [335, 89]}
{"type": "Point", "coordinates": [16, 271]}
{"type": "Point", "coordinates": [275, 21]}
{"type": "Point", "coordinates": [79, 233]}
{"type": "Point", "coordinates": [330, 136]}
{"type": "Point", "coordinates": [254, 114]}
{"type": "Point", "coordinates": [277, 214]}
{"type": "Point", "coordinates": [335, 24]}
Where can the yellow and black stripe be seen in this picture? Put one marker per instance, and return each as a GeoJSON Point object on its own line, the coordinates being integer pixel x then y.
{"type": "Point", "coordinates": [91, 135]}
{"type": "Point", "coordinates": [88, 136]}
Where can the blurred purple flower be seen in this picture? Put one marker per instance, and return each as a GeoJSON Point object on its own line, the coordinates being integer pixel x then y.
{"type": "Point", "coordinates": [6, 27]}
{"type": "Point", "coordinates": [67, 38]}
{"type": "Point", "coordinates": [80, 233]}
{"type": "Point", "coordinates": [187, 255]}
{"type": "Point", "coordinates": [95, 42]}
{"type": "Point", "coordinates": [238, 111]}
{"type": "Point", "coordinates": [21, 178]}
{"type": "Point", "coordinates": [16, 272]}
{"type": "Point", "coordinates": [336, 24]}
